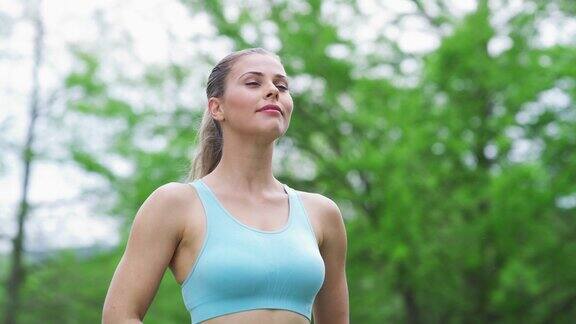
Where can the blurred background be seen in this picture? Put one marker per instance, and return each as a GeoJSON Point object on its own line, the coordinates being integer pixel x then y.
{"type": "Point", "coordinates": [445, 131]}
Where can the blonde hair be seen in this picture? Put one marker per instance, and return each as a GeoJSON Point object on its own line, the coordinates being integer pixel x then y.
{"type": "Point", "coordinates": [209, 139]}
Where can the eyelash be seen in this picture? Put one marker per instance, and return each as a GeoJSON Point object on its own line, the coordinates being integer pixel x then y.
{"type": "Point", "coordinates": [284, 88]}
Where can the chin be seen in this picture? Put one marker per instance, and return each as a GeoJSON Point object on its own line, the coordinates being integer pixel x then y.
{"type": "Point", "coordinates": [270, 134]}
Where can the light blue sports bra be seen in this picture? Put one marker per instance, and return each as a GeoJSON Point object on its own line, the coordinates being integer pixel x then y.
{"type": "Point", "coordinates": [241, 268]}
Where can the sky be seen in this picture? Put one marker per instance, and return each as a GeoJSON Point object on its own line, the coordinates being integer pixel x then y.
{"type": "Point", "coordinates": [160, 31]}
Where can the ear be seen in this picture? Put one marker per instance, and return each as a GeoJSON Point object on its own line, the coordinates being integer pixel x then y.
{"type": "Point", "coordinates": [215, 108]}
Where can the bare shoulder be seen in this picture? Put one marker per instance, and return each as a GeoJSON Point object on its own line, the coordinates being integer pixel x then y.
{"type": "Point", "coordinates": [319, 201]}
{"type": "Point", "coordinates": [169, 203]}
{"type": "Point", "coordinates": [323, 211]}
{"type": "Point", "coordinates": [173, 191]}
{"type": "Point", "coordinates": [173, 194]}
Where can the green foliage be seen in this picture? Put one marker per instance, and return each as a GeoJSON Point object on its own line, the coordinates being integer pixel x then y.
{"type": "Point", "coordinates": [71, 289]}
{"type": "Point", "coordinates": [446, 224]}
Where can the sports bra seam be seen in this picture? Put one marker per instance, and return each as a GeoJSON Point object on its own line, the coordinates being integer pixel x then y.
{"type": "Point", "coordinates": [306, 216]}
{"type": "Point", "coordinates": [204, 241]}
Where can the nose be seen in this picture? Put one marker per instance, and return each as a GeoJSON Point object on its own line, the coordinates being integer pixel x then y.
{"type": "Point", "coordinates": [272, 91]}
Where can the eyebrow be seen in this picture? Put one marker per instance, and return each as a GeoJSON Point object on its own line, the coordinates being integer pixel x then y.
{"type": "Point", "coordinates": [262, 74]}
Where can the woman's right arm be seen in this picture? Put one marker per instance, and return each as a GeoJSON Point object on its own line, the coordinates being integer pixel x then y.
{"type": "Point", "coordinates": [155, 234]}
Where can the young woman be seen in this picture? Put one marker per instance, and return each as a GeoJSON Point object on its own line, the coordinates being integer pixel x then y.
{"type": "Point", "coordinates": [244, 247]}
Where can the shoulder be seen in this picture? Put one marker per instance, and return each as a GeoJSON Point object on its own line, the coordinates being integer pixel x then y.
{"type": "Point", "coordinates": [165, 207]}
{"type": "Point", "coordinates": [325, 212]}
{"type": "Point", "coordinates": [328, 207]}
{"type": "Point", "coordinates": [171, 194]}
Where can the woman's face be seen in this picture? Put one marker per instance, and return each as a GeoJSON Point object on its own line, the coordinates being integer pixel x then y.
{"type": "Point", "coordinates": [255, 80]}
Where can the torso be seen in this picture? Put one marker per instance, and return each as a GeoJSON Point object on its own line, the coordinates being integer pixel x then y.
{"type": "Point", "coordinates": [249, 213]}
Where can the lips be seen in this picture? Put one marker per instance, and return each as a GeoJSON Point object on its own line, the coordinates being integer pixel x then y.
{"type": "Point", "coordinates": [272, 107]}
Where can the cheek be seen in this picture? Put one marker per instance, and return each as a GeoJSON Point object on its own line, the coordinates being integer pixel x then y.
{"type": "Point", "coordinates": [289, 104]}
{"type": "Point", "coordinates": [240, 100]}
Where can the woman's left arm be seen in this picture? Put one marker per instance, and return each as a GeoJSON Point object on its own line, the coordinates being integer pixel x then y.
{"type": "Point", "coordinates": [331, 305]}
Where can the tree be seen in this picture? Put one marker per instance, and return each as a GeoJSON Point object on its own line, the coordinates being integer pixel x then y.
{"type": "Point", "coordinates": [449, 219]}
{"type": "Point", "coordinates": [17, 269]}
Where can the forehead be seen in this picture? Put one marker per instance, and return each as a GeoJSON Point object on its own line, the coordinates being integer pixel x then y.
{"type": "Point", "coordinates": [257, 63]}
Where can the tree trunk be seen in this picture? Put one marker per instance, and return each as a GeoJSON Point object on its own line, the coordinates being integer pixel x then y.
{"type": "Point", "coordinates": [17, 268]}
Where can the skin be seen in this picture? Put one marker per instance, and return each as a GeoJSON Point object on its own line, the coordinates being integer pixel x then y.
{"type": "Point", "coordinates": [168, 229]}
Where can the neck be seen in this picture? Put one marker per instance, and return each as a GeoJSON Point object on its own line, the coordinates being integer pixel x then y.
{"type": "Point", "coordinates": [246, 165]}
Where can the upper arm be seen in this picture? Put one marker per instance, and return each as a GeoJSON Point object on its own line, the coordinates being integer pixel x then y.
{"type": "Point", "coordinates": [155, 233]}
{"type": "Point", "coordinates": [332, 305]}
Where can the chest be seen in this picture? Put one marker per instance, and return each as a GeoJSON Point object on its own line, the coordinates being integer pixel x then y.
{"type": "Point", "coordinates": [268, 215]}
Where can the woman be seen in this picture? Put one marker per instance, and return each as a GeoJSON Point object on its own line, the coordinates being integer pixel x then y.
{"type": "Point", "coordinates": [245, 247]}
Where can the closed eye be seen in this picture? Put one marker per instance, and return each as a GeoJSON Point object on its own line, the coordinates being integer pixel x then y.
{"type": "Point", "coordinates": [283, 88]}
